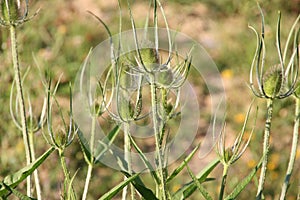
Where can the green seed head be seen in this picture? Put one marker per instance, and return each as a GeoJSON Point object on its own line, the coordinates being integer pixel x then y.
{"type": "Point", "coordinates": [272, 82]}
{"type": "Point", "coordinates": [10, 12]}
{"type": "Point", "coordinates": [32, 123]}
{"type": "Point", "coordinates": [60, 138]}
{"type": "Point", "coordinates": [165, 78]}
{"type": "Point", "coordinates": [228, 155]}
{"type": "Point", "coordinates": [125, 108]}
{"type": "Point", "coordinates": [150, 58]}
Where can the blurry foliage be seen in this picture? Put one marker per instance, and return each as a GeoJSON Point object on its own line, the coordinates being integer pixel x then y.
{"type": "Point", "coordinates": [60, 38]}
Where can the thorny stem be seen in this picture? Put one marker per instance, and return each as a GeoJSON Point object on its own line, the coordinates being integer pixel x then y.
{"type": "Point", "coordinates": [20, 97]}
{"type": "Point", "coordinates": [266, 145]}
{"type": "Point", "coordinates": [293, 151]}
{"type": "Point", "coordinates": [66, 173]}
{"type": "Point", "coordinates": [224, 178]}
{"type": "Point", "coordinates": [91, 161]}
{"type": "Point", "coordinates": [127, 149]}
{"type": "Point", "coordinates": [162, 187]}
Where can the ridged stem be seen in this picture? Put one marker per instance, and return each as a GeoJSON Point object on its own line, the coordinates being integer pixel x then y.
{"type": "Point", "coordinates": [127, 150]}
{"type": "Point", "coordinates": [91, 161]}
{"type": "Point", "coordinates": [20, 99]}
{"type": "Point", "coordinates": [266, 146]}
{"type": "Point", "coordinates": [162, 187]}
{"type": "Point", "coordinates": [223, 184]}
{"type": "Point", "coordinates": [293, 151]}
{"type": "Point", "coordinates": [66, 173]}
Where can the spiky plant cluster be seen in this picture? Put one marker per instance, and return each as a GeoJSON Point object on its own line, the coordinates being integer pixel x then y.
{"type": "Point", "coordinates": [278, 82]}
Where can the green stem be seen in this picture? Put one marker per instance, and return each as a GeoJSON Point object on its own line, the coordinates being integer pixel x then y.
{"type": "Point", "coordinates": [91, 161]}
{"type": "Point", "coordinates": [20, 98]}
{"type": "Point", "coordinates": [66, 174]}
{"type": "Point", "coordinates": [127, 150]}
{"type": "Point", "coordinates": [162, 187]}
{"type": "Point", "coordinates": [224, 178]}
{"type": "Point", "coordinates": [87, 181]}
{"type": "Point", "coordinates": [35, 173]}
{"type": "Point", "coordinates": [293, 152]}
{"type": "Point", "coordinates": [266, 146]}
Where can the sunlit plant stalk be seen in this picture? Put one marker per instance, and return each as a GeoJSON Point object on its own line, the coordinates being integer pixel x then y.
{"type": "Point", "coordinates": [230, 155]}
{"type": "Point", "coordinates": [271, 85]}
{"type": "Point", "coordinates": [61, 139]}
{"type": "Point", "coordinates": [293, 151]}
{"type": "Point", "coordinates": [294, 147]}
{"type": "Point", "coordinates": [11, 17]}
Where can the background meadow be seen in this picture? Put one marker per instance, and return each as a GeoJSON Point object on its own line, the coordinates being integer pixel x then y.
{"type": "Point", "coordinates": [59, 39]}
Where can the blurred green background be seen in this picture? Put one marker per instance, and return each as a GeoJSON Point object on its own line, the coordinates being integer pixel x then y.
{"type": "Point", "coordinates": [61, 35]}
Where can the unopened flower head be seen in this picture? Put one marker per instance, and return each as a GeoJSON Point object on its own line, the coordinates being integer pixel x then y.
{"type": "Point", "coordinates": [279, 81]}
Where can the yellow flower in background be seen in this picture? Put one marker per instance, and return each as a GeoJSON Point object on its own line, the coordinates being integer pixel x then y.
{"type": "Point", "coordinates": [298, 154]}
{"type": "Point", "coordinates": [176, 187]}
{"type": "Point", "coordinates": [274, 175]}
{"type": "Point", "coordinates": [274, 161]}
{"type": "Point", "coordinates": [227, 74]}
{"type": "Point", "coordinates": [248, 134]}
{"type": "Point", "coordinates": [251, 163]}
{"type": "Point", "coordinates": [239, 118]}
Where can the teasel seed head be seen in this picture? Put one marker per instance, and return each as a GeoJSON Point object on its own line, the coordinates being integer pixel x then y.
{"type": "Point", "coordinates": [10, 12]}
{"type": "Point", "coordinates": [273, 81]}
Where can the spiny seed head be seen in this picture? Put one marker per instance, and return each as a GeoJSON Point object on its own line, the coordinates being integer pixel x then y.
{"type": "Point", "coordinates": [32, 123]}
{"type": "Point", "coordinates": [164, 78]}
{"type": "Point", "coordinates": [10, 12]}
{"type": "Point", "coordinates": [125, 108]}
{"type": "Point", "coordinates": [149, 58]}
{"type": "Point", "coordinates": [228, 154]}
{"type": "Point", "coordinates": [60, 138]}
{"type": "Point", "coordinates": [272, 81]}
{"type": "Point", "coordinates": [125, 78]}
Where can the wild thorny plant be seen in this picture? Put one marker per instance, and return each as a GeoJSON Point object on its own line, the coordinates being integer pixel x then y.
{"type": "Point", "coordinates": [133, 73]}
{"type": "Point", "coordinates": [146, 65]}
{"type": "Point", "coordinates": [12, 17]}
{"type": "Point", "coordinates": [229, 155]}
{"type": "Point", "coordinates": [61, 138]}
{"type": "Point", "coordinates": [277, 83]}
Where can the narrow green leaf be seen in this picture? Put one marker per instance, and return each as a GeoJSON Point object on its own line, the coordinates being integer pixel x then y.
{"type": "Point", "coordinates": [14, 179]}
{"type": "Point", "coordinates": [202, 190]}
{"type": "Point", "coordinates": [182, 165]}
{"type": "Point", "coordinates": [70, 186]}
{"type": "Point", "coordinates": [141, 188]}
{"type": "Point", "coordinates": [188, 189]}
{"type": "Point", "coordinates": [145, 160]}
{"type": "Point", "coordinates": [114, 191]}
{"type": "Point", "coordinates": [84, 144]}
{"type": "Point", "coordinates": [102, 148]}
{"type": "Point", "coordinates": [17, 193]}
{"type": "Point", "coordinates": [241, 186]}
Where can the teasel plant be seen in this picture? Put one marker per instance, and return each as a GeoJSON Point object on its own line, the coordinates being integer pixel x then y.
{"type": "Point", "coordinates": [129, 74]}
{"type": "Point", "coordinates": [12, 16]}
{"type": "Point", "coordinates": [229, 155]}
{"type": "Point", "coordinates": [34, 125]}
{"type": "Point", "coordinates": [271, 84]}
{"type": "Point", "coordinates": [62, 137]}
{"type": "Point", "coordinates": [296, 95]}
